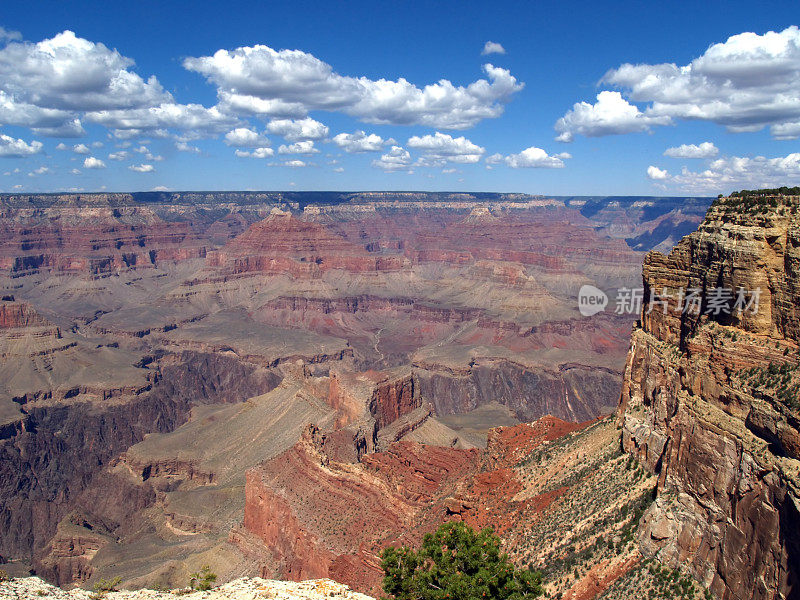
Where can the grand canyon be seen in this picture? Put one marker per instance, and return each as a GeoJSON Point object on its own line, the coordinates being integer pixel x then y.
{"type": "Point", "coordinates": [283, 384]}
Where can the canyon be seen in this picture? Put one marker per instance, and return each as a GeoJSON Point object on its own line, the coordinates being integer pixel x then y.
{"type": "Point", "coordinates": [256, 380]}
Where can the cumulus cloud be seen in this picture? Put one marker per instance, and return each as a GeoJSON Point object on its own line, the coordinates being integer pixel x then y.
{"type": "Point", "coordinates": [442, 147]}
{"type": "Point", "coordinates": [51, 85]}
{"type": "Point", "coordinates": [7, 35]}
{"type": "Point", "coordinates": [745, 83]}
{"type": "Point", "coordinates": [255, 153]}
{"type": "Point", "coordinates": [299, 129]}
{"type": "Point", "coordinates": [289, 83]}
{"type": "Point", "coordinates": [704, 150]}
{"type": "Point", "coordinates": [143, 168]}
{"type": "Point", "coordinates": [786, 131]}
{"type": "Point", "coordinates": [396, 159]}
{"type": "Point", "coordinates": [728, 173]}
{"type": "Point", "coordinates": [93, 163]}
{"type": "Point", "coordinates": [184, 147]}
{"type": "Point", "coordinates": [492, 48]}
{"type": "Point", "coordinates": [16, 147]}
{"type": "Point", "coordinates": [532, 157]}
{"type": "Point", "coordinates": [656, 174]}
{"type": "Point", "coordinates": [359, 141]}
{"type": "Point", "coordinates": [304, 147]}
{"type": "Point", "coordinates": [195, 118]}
{"type": "Point", "coordinates": [40, 171]}
{"type": "Point", "coordinates": [81, 149]}
{"type": "Point", "coordinates": [121, 155]}
{"type": "Point", "coordinates": [70, 73]}
{"type": "Point", "coordinates": [242, 137]}
{"type": "Point", "coordinates": [611, 114]}
{"type": "Point", "coordinates": [294, 164]}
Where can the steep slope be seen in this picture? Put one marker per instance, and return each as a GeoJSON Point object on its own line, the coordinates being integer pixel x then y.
{"type": "Point", "coordinates": [710, 401]}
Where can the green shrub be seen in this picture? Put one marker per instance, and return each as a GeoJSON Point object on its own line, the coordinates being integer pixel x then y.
{"type": "Point", "coordinates": [202, 580]}
{"type": "Point", "coordinates": [456, 563]}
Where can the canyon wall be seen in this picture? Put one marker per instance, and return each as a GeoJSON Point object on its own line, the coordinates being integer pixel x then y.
{"type": "Point", "coordinates": [710, 401]}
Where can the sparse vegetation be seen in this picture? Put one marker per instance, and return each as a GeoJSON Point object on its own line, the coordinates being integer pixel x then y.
{"type": "Point", "coordinates": [653, 581]}
{"type": "Point", "coordinates": [202, 580]}
{"type": "Point", "coordinates": [103, 586]}
{"type": "Point", "coordinates": [755, 202]}
{"type": "Point", "coordinates": [3, 576]}
{"type": "Point", "coordinates": [780, 380]}
{"type": "Point", "coordinates": [456, 563]}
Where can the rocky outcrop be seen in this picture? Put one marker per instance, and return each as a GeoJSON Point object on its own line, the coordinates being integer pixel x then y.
{"type": "Point", "coordinates": [20, 314]}
{"type": "Point", "coordinates": [573, 392]}
{"type": "Point", "coordinates": [710, 401]}
{"type": "Point", "coordinates": [33, 588]}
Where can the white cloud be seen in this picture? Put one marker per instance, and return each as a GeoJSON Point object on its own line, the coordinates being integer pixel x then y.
{"type": "Point", "coordinates": [494, 159]}
{"type": "Point", "coordinates": [298, 130]}
{"type": "Point", "coordinates": [734, 172]}
{"type": "Point", "coordinates": [51, 85]}
{"type": "Point", "coordinates": [786, 131]}
{"type": "Point", "coordinates": [656, 174]}
{"type": "Point", "coordinates": [745, 83]}
{"type": "Point", "coordinates": [143, 168]}
{"type": "Point", "coordinates": [197, 119]}
{"type": "Point", "coordinates": [161, 188]}
{"type": "Point", "coordinates": [93, 163]}
{"type": "Point", "coordinates": [97, 144]}
{"type": "Point", "coordinates": [81, 149]}
{"type": "Point", "coordinates": [242, 137]}
{"type": "Point", "coordinates": [256, 153]}
{"type": "Point", "coordinates": [305, 147]}
{"type": "Point", "coordinates": [121, 155]}
{"type": "Point", "coordinates": [7, 35]}
{"type": "Point", "coordinates": [70, 73]}
{"type": "Point", "coordinates": [534, 157]}
{"type": "Point", "coordinates": [290, 83]}
{"type": "Point", "coordinates": [184, 147]}
{"type": "Point", "coordinates": [492, 48]}
{"type": "Point", "coordinates": [396, 159]}
{"type": "Point", "coordinates": [295, 164]}
{"type": "Point", "coordinates": [61, 146]}
{"type": "Point", "coordinates": [611, 114]}
{"type": "Point", "coordinates": [443, 147]}
{"type": "Point", "coordinates": [75, 171]}
{"type": "Point", "coordinates": [40, 171]}
{"type": "Point", "coordinates": [15, 147]}
{"type": "Point", "coordinates": [359, 141]}
{"type": "Point", "coordinates": [704, 150]}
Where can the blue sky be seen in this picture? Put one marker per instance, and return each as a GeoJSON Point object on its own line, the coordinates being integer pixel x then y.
{"type": "Point", "coordinates": [273, 96]}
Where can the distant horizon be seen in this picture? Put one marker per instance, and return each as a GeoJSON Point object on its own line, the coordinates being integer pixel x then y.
{"type": "Point", "coordinates": [364, 191]}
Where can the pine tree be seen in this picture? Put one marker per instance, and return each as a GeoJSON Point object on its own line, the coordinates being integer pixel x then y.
{"type": "Point", "coordinates": [456, 563]}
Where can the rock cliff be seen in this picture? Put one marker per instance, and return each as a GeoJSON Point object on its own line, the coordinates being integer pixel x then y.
{"type": "Point", "coordinates": [710, 400]}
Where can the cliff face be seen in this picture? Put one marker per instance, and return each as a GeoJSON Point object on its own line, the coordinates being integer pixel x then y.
{"type": "Point", "coordinates": [710, 401]}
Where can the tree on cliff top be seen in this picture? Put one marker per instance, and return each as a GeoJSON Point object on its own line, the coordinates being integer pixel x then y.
{"type": "Point", "coordinates": [456, 563]}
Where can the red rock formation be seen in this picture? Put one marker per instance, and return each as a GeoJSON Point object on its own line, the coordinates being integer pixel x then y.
{"type": "Point", "coordinates": [283, 244]}
{"type": "Point", "coordinates": [94, 240]}
{"type": "Point", "coordinates": [20, 314]}
{"type": "Point", "coordinates": [321, 518]}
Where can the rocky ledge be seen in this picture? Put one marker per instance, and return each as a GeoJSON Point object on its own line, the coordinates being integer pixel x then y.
{"type": "Point", "coordinates": [241, 589]}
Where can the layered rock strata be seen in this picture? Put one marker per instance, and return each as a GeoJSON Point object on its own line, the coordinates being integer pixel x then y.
{"type": "Point", "coordinates": [710, 401]}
